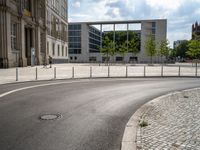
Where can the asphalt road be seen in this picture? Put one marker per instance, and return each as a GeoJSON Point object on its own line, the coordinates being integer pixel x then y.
{"type": "Point", "coordinates": [94, 112]}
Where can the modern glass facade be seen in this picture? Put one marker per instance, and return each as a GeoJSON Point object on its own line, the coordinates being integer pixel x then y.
{"type": "Point", "coordinates": [153, 30]}
{"type": "Point", "coordinates": [75, 39]}
{"type": "Point", "coordinates": [86, 39]}
{"type": "Point", "coordinates": [94, 40]}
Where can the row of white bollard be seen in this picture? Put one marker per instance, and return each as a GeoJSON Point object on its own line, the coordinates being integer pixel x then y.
{"type": "Point", "coordinates": [108, 73]}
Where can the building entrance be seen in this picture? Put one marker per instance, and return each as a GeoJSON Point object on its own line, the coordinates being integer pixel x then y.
{"type": "Point", "coordinates": [28, 44]}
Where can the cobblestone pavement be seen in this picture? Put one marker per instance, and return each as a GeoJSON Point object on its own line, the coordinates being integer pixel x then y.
{"type": "Point", "coordinates": [173, 123]}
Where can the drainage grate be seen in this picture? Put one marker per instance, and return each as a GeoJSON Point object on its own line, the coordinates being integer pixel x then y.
{"type": "Point", "coordinates": [186, 96]}
{"type": "Point", "coordinates": [50, 116]}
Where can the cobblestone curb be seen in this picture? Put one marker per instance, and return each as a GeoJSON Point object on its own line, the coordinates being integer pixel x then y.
{"type": "Point", "coordinates": [129, 141]}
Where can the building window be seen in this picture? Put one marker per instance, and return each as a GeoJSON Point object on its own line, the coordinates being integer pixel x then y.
{"type": "Point", "coordinates": [92, 59]}
{"type": "Point", "coordinates": [133, 59]}
{"type": "Point", "coordinates": [75, 58]}
{"type": "Point", "coordinates": [53, 49]}
{"type": "Point", "coordinates": [75, 27]}
{"type": "Point", "coordinates": [71, 58]}
{"type": "Point", "coordinates": [74, 51]}
{"type": "Point", "coordinates": [119, 58]}
{"type": "Point", "coordinates": [58, 50]}
{"type": "Point", "coordinates": [13, 36]}
{"type": "Point", "coordinates": [27, 5]}
{"type": "Point", "coordinates": [153, 31]}
{"type": "Point", "coordinates": [153, 24]}
{"type": "Point", "coordinates": [105, 59]}
{"type": "Point", "coordinates": [62, 50]}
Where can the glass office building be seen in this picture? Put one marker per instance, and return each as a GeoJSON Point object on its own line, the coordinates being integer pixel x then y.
{"type": "Point", "coordinates": [85, 39]}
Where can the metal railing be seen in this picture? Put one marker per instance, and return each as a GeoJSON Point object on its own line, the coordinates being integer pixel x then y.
{"type": "Point", "coordinates": [36, 73]}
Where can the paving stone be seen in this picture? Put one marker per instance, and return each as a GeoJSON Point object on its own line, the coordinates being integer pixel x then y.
{"type": "Point", "coordinates": [173, 123]}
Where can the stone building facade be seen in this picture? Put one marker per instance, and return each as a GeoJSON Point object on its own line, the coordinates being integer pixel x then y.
{"type": "Point", "coordinates": [196, 31]}
{"type": "Point", "coordinates": [57, 30]}
{"type": "Point", "coordinates": [23, 27]}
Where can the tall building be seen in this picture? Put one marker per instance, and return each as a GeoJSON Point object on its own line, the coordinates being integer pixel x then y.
{"type": "Point", "coordinates": [57, 30]}
{"type": "Point", "coordinates": [26, 29]}
{"type": "Point", "coordinates": [178, 42]}
{"type": "Point", "coordinates": [85, 39]}
{"type": "Point", "coordinates": [195, 30]}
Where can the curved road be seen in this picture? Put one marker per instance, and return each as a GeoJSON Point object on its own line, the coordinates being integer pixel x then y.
{"type": "Point", "coordinates": [94, 112]}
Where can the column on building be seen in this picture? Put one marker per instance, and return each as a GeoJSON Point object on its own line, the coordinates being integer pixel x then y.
{"type": "Point", "coordinates": [101, 34]}
{"type": "Point", "coordinates": [45, 33]}
{"type": "Point", "coordinates": [4, 31]}
{"type": "Point", "coordinates": [40, 33]}
{"type": "Point", "coordinates": [21, 37]}
{"type": "Point", "coordinates": [127, 35]}
{"type": "Point", "coordinates": [37, 45]}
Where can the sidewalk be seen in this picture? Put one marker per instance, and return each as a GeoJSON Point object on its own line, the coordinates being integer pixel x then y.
{"type": "Point", "coordinates": [172, 122]}
{"type": "Point", "coordinates": [67, 71]}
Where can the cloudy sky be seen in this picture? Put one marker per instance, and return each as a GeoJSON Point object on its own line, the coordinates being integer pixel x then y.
{"type": "Point", "coordinates": [181, 14]}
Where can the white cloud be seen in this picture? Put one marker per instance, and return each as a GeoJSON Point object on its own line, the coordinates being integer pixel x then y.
{"type": "Point", "coordinates": [181, 14]}
{"type": "Point", "coordinates": [76, 4]}
{"type": "Point", "coordinates": [165, 4]}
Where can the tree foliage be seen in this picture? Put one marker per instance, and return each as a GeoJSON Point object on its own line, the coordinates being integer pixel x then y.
{"type": "Point", "coordinates": [121, 38]}
{"type": "Point", "coordinates": [133, 46]}
{"type": "Point", "coordinates": [172, 53]}
{"type": "Point", "coordinates": [164, 49]}
{"type": "Point", "coordinates": [121, 45]}
{"type": "Point", "coordinates": [108, 48]}
{"type": "Point", "coordinates": [182, 49]}
{"type": "Point", "coordinates": [122, 49]}
{"type": "Point", "coordinates": [150, 47]}
{"type": "Point", "coordinates": [194, 49]}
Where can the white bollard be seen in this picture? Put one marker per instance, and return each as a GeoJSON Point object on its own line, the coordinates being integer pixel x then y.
{"type": "Point", "coordinates": [72, 72]}
{"type": "Point", "coordinates": [36, 73]}
{"type": "Point", "coordinates": [54, 72]}
{"type": "Point", "coordinates": [91, 72]}
{"type": "Point", "coordinates": [17, 75]}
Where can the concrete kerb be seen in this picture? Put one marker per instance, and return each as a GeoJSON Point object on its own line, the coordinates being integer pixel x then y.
{"type": "Point", "coordinates": [130, 132]}
{"type": "Point", "coordinates": [129, 77]}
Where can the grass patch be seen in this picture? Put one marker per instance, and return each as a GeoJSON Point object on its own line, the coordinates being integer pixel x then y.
{"type": "Point", "coordinates": [143, 124]}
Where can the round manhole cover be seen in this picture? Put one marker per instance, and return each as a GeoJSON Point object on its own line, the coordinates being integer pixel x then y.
{"type": "Point", "coordinates": [50, 116]}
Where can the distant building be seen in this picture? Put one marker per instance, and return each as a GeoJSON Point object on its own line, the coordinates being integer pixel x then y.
{"type": "Point", "coordinates": [195, 30]}
{"type": "Point", "coordinates": [85, 39]}
{"type": "Point", "coordinates": [178, 42]}
{"type": "Point", "coordinates": [57, 30]}
{"type": "Point", "coordinates": [28, 28]}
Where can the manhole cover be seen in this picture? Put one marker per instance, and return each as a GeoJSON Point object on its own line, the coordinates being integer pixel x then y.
{"type": "Point", "coordinates": [50, 116]}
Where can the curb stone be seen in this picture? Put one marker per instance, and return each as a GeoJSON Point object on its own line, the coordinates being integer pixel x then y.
{"type": "Point", "coordinates": [130, 132]}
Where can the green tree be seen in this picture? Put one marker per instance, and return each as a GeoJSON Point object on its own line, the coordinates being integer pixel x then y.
{"type": "Point", "coordinates": [182, 49]}
{"type": "Point", "coordinates": [121, 37]}
{"type": "Point", "coordinates": [194, 49]}
{"type": "Point", "coordinates": [108, 48]}
{"type": "Point", "coordinates": [123, 49]}
{"type": "Point", "coordinates": [172, 54]}
{"type": "Point", "coordinates": [164, 49]}
{"type": "Point", "coordinates": [133, 46]}
{"type": "Point", "coordinates": [150, 47]}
